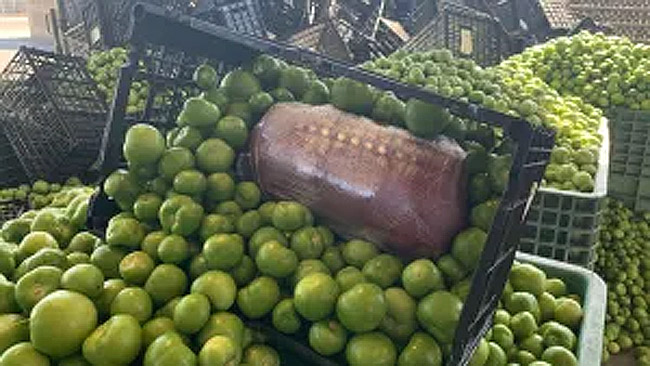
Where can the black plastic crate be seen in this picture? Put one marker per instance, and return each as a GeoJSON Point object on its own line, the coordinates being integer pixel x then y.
{"type": "Point", "coordinates": [422, 14]}
{"type": "Point", "coordinates": [524, 21]}
{"type": "Point", "coordinates": [77, 41]}
{"type": "Point", "coordinates": [322, 38]}
{"type": "Point", "coordinates": [52, 107]}
{"type": "Point", "coordinates": [518, 14]}
{"type": "Point", "coordinates": [362, 46]}
{"type": "Point", "coordinates": [364, 15]}
{"type": "Point", "coordinates": [414, 15]}
{"type": "Point", "coordinates": [532, 14]}
{"type": "Point", "coordinates": [11, 172]}
{"type": "Point", "coordinates": [629, 18]}
{"type": "Point", "coordinates": [243, 16]}
{"type": "Point", "coordinates": [39, 151]}
{"type": "Point", "coordinates": [102, 24]}
{"type": "Point", "coordinates": [227, 50]}
{"type": "Point", "coordinates": [558, 14]}
{"type": "Point", "coordinates": [284, 19]}
{"type": "Point", "coordinates": [63, 79]}
{"type": "Point", "coordinates": [466, 32]}
{"type": "Point", "coordinates": [82, 31]}
{"type": "Point", "coordinates": [70, 11]}
{"type": "Point", "coordinates": [168, 74]}
{"type": "Point", "coordinates": [390, 36]}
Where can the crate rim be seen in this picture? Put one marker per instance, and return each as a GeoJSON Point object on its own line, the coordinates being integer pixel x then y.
{"type": "Point", "coordinates": [601, 179]}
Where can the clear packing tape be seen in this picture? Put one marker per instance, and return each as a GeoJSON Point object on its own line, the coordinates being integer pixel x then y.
{"type": "Point", "coordinates": [362, 179]}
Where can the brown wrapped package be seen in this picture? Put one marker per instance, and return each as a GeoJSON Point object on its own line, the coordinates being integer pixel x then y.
{"type": "Point", "coordinates": [362, 179]}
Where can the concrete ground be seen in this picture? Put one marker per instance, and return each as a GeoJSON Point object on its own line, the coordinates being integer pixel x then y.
{"type": "Point", "coordinates": [14, 31]}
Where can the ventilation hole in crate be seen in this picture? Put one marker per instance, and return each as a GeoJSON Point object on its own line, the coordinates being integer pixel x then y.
{"type": "Point", "coordinates": [636, 158]}
{"type": "Point", "coordinates": [544, 251]}
{"type": "Point", "coordinates": [639, 138]}
{"type": "Point", "coordinates": [551, 201]}
{"type": "Point", "coordinates": [618, 168]}
{"type": "Point", "coordinates": [565, 220]}
{"type": "Point", "coordinates": [578, 238]}
{"type": "Point", "coordinates": [530, 231]}
{"type": "Point", "coordinates": [547, 235]}
{"type": "Point", "coordinates": [636, 149]}
{"type": "Point", "coordinates": [584, 222]}
{"type": "Point", "coordinates": [567, 203]}
{"type": "Point", "coordinates": [586, 205]}
{"type": "Point", "coordinates": [549, 218]}
{"type": "Point", "coordinates": [633, 169]}
{"type": "Point", "coordinates": [622, 148]}
{"type": "Point", "coordinates": [581, 257]}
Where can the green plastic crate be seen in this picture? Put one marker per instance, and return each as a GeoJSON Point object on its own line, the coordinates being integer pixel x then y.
{"type": "Point", "coordinates": [593, 292]}
{"type": "Point", "coordinates": [564, 225]}
{"type": "Point", "coordinates": [629, 173]}
{"type": "Point", "coordinates": [580, 281]}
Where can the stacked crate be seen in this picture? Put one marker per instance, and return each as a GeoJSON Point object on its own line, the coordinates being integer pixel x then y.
{"type": "Point", "coordinates": [629, 18]}
{"type": "Point", "coordinates": [52, 114]}
{"type": "Point", "coordinates": [466, 32]}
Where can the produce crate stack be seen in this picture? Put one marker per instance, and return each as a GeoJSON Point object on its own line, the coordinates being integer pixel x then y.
{"type": "Point", "coordinates": [54, 115]}
{"type": "Point", "coordinates": [565, 225]}
{"type": "Point", "coordinates": [323, 38]}
{"type": "Point", "coordinates": [154, 31]}
{"type": "Point", "coordinates": [629, 174]}
{"type": "Point", "coordinates": [619, 99]}
{"type": "Point", "coordinates": [466, 32]}
{"type": "Point", "coordinates": [629, 18]}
